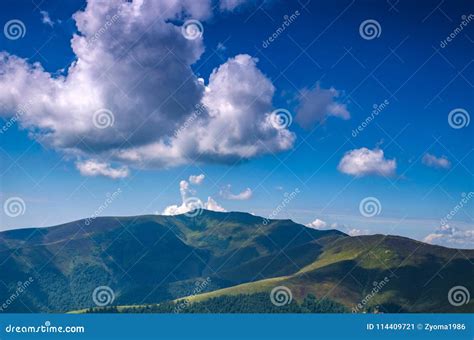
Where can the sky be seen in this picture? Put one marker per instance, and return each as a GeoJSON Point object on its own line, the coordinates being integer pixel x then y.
{"type": "Point", "coordinates": [352, 115]}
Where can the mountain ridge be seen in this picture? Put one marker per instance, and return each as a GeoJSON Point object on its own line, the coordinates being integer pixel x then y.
{"type": "Point", "coordinates": [152, 258]}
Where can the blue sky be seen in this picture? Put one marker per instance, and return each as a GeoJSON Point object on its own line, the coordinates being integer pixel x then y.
{"type": "Point", "coordinates": [321, 70]}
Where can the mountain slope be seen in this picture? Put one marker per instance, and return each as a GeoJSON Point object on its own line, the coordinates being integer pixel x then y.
{"type": "Point", "coordinates": [410, 276]}
{"type": "Point", "coordinates": [148, 258]}
{"type": "Point", "coordinates": [151, 259]}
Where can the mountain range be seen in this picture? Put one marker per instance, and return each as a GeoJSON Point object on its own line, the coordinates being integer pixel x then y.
{"type": "Point", "coordinates": [151, 259]}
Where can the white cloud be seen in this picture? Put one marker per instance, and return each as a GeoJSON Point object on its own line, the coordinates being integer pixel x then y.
{"type": "Point", "coordinates": [351, 231]}
{"type": "Point", "coordinates": [196, 179]}
{"type": "Point", "coordinates": [317, 104]}
{"type": "Point", "coordinates": [317, 224]}
{"type": "Point", "coordinates": [211, 204]}
{"type": "Point", "coordinates": [451, 237]}
{"type": "Point", "coordinates": [436, 162]}
{"type": "Point", "coordinates": [150, 89]}
{"type": "Point", "coordinates": [363, 162]}
{"type": "Point", "coordinates": [357, 232]}
{"type": "Point", "coordinates": [97, 168]}
{"type": "Point", "coordinates": [230, 5]}
{"type": "Point", "coordinates": [221, 47]}
{"type": "Point", "coordinates": [242, 196]}
{"type": "Point", "coordinates": [45, 19]}
{"type": "Point", "coordinates": [189, 202]}
{"type": "Point", "coordinates": [176, 209]}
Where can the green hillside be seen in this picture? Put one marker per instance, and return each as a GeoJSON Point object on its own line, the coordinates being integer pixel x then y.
{"type": "Point", "coordinates": [416, 276]}
{"type": "Point", "coordinates": [149, 260]}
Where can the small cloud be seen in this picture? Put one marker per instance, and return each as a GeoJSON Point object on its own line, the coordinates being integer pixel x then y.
{"type": "Point", "coordinates": [363, 162]}
{"type": "Point", "coordinates": [357, 232]}
{"type": "Point", "coordinates": [197, 179]}
{"type": "Point", "coordinates": [45, 19]}
{"type": "Point", "coordinates": [323, 225]}
{"type": "Point", "coordinates": [230, 5]}
{"type": "Point", "coordinates": [436, 162]}
{"type": "Point", "coordinates": [448, 236]}
{"type": "Point", "coordinates": [190, 202]}
{"type": "Point", "coordinates": [97, 168]}
{"type": "Point", "coordinates": [211, 204]}
{"type": "Point", "coordinates": [177, 209]}
{"type": "Point", "coordinates": [317, 104]}
{"type": "Point", "coordinates": [221, 47]}
{"type": "Point", "coordinates": [243, 196]}
{"type": "Point", "coordinates": [317, 224]}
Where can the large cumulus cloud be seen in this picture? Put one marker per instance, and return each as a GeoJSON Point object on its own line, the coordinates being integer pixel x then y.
{"type": "Point", "coordinates": [132, 60]}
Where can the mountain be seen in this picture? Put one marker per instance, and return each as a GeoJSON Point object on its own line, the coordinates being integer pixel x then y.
{"type": "Point", "coordinates": [152, 259]}
{"type": "Point", "coordinates": [395, 274]}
